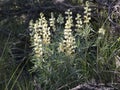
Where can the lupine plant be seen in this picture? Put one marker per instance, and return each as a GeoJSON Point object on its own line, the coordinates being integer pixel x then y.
{"type": "Point", "coordinates": [79, 53]}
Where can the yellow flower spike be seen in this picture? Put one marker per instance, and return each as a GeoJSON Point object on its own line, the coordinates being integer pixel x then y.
{"type": "Point", "coordinates": [37, 45]}
{"type": "Point", "coordinates": [46, 34]}
{"type": "Point", "coordinates": [87, 13]}
{"type": "Point", "coordinates": [52, 22]}
{"type": "Point", "coordinates": [79, 23]}
{"type": "Point", "coordinates": [39, 36]}
{"type": "Point", "coordinates": [45, 30]}
{"type": "Point", "coordinates": [68, 43]}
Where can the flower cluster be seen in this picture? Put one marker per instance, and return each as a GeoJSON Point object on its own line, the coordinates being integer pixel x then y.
{"type": "Point", "coordinates": [79, 23]}
{"type": "Point", "coordinates": [68, 44]}
{"type": "Point", "coordinates": [39, 36]}
{"type": "Point", "coordinates": [36, 40]}
{"type": "Point", "coordinates": [52, 22]}
{"type": "Point", "coordinates": [45, 32]}
{"type": "Point", "coordinates": [41, 28]}
{"type": "Point", "coordinates": [87, 13]}
{"type": "Point", "coordinates": [101, 31]}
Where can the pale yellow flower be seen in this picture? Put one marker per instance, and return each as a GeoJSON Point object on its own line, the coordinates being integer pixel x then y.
{"type": "Point", "coordinates": [101, 31]}
{"type": "Point", "coordinates": [68, 43]}
{"type": "Point", "coordinates": [52, 22]}
{"type": "Point", "coordinates": [87, 13]}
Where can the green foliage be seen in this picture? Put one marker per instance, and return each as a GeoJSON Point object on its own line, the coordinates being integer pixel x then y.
{"type": "Point", "coordinates": [94, 57]}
